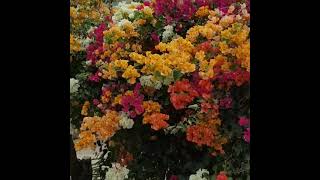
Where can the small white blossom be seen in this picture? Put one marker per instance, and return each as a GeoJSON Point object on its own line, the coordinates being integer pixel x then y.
{"type": "Point", "coordinates": [86, 42]}
{"type": "Point", "coordinates": [201, 172]}
{"type": "Point", "coordinates": [74, 85]}
{"type": "Point", "coordinates": [125, 122]}
{"type": "Point", "coordinates": [92, 28]}
{"type": "Point", "coordinates": [86, 153]}
{"type": "Point", "coordinates": [150, 82]}
{"type": "Point", "coordinates": [88, 63]}
{"type": "Point", "coordinates": [243, 6]}
{"type": "Point", "coordinates": [195, 177]}
{"type": "Point", "coordinates": [117, 172]}
{"type": "Point", "coordinates": [131, 15]}
{"type": "Point", "coordinates": [168, 33]}
{"type": "Point", "coordinates": [199, 175]}
{"type": "Point", "coordinates": [124, 10]}
{"type": "Point", "coordinates": [123, 22]}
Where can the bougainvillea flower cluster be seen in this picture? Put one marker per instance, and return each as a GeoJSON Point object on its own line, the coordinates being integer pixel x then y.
{"type": "Point", "coordinates": [161, 88]}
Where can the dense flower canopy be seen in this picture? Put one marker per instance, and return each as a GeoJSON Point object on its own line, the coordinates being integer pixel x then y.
{"type": "Point", "coordinates": [160, 89]}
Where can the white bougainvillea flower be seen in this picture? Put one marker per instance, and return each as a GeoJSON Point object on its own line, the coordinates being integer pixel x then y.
{"type": "Point", "coordinates": [125, 122]}
{"type": "Point", "coordinates": [117, 172]}
{"type": "Point", "coordinates": [74, 85]}
{"type": "Point", "coordinates": [168, 33]}
{"type": "Point", "coordinates": [86, 153]}
{"type": "Point", "coordinates": [199, 175]}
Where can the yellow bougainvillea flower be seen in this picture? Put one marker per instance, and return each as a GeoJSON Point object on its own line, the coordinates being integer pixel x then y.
{"type": "Point", "coordinates": [202, 11]}
{"type": "Point", "coordinates": [131, 74]}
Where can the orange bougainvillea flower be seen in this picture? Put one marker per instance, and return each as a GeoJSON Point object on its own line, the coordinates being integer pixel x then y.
{"type": "Point", "coordinates": [85, 108]}
{"type": "Point", "coordinates": [200, 135]}
{"type": "Point", "coordinates": [181, 93]}
{"type": "Point", "coordinates": [150, 107]}
{"type": "Point", "coordinates": [105, 98]}
{"type": "Point", "coordinates": [97, 128]}
{"type": "Point", "coordinates": [87, 139]}
{"type": "Point", "coordinates": [205, 88]}
{"type": "Point", "coordinates": [211, 110]}
{"type": "Point", "coordinates": [205, 107]}
{"type": "Point", "coordinates": [157, 120]}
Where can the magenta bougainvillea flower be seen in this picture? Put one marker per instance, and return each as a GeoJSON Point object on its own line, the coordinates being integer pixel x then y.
{"type": "Point", "coordinates": [133, 103]}
{"type": "Point", "coordinates": [96, 102]}
{"type": "Point", "coordinates": [97, 45]}
{"type": "Point", "coordinates": [226, 103]}
{"type": "Point", "coordinates": [246, 135]}
{"type": "Point", "coordinates": [155, 37]}
{"type": "Point", "coordinates": [243, 121]}
{"type": "Point", "coordinates": [94, 77]}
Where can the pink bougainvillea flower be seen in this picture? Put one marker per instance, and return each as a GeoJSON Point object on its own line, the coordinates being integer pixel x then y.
{"type": "Point", "coordinates": [94, 78]}
{"type": "Point", "coordinates": [246, 135]}
{"type": "Point", "coordinates": [96, 102]}
{"type": "Point", "coordinates": [243, 121]}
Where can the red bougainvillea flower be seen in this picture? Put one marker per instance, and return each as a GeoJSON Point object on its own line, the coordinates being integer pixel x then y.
{"type": "Point", "coordinates": [222, 176]}
{"type": "Point", "coordinates": [108, 18]}
{"type": "Point", "coordinates": [206, 47]}
{"type": "Point", "coordinates": [226, 103]}
{"type": "Point", "coordinates": [146, 3]}
{"type": "Point", "coordinates": [246, 135]}
{"type": "Point", "coordinates": [209, 107]}
{"type": "Point", "coordinates": [243, 121]}
{"type": "Point", "coordinates": [238, 77]}
{"type": "Point", "coordinates": [203, 87]}
{"type": "Point", "coordinates": [181, 93]}
{"type": "Point", "coordinates": [200, 135]}
{"type": "Point", "coordinates": [125, 157]}
{"type": "Point", "coordinates": [241, 77]}
{"type": "Point", "coordinates": [174, 177]}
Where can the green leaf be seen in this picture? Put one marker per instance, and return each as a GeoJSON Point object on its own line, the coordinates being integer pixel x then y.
{"type": "Point", "coordinates": [177, 75]}
{"type": "Point", "coordinates": [212, 178]}
{"type": "Point", "coordinates": [194, 106]}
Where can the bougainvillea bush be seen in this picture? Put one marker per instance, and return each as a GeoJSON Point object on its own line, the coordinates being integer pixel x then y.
{"type": "Point", "coordinates": [160, 89]}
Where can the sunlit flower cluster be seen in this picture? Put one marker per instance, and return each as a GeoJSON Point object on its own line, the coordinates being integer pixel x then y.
{"type": "Point", "coordinates": [97, 128]}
